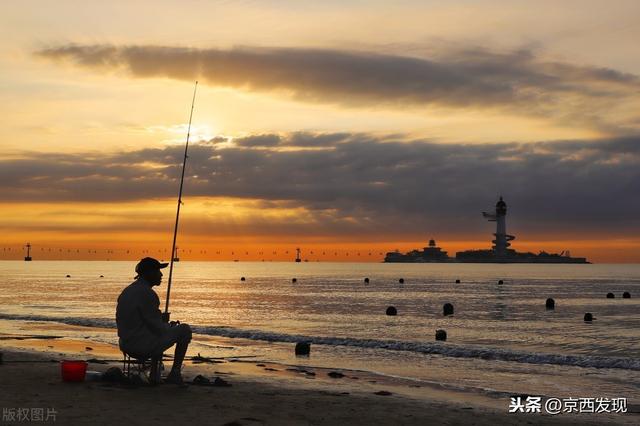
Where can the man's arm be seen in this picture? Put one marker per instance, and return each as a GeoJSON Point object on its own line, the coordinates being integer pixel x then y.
{"type": "Point", "coordinates": [150, 313]}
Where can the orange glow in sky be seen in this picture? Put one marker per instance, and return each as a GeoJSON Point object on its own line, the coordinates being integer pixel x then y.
{"type": "Point", "coordinates": [343, 128]}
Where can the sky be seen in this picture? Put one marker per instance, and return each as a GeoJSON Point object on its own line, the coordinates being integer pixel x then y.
{"type": "Point", "coordinates": [347, 128]}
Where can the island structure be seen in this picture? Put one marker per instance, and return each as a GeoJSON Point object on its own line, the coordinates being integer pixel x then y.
{"type": "Point", "coordinates": [499, 252]}
{"type": "Point", "coordinates": [431, 253]}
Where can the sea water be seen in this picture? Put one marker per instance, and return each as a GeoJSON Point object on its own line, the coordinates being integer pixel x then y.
{"type": "Point", "coordinates": [501, 339]}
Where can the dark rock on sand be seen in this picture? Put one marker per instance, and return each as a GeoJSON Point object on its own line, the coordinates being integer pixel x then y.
{"type": "Point", "coordinates": [383, 393]}
{"type": "Point", "coordinates": [392, 311]}
{"type": "Point", "coordinates": [441, 335]}
{"type": "Point", "coordinates": [626, 295]}
{"type": "Point", "coordinates": [610, 296]}
{"type": "Point", "coordinates": [550, 303]}
{"type": "Point", "coordinates": [401, 280]}
{"type": "Point", "coordinates": [447, 309]}
{"type": "Point", "coordinates": [200, 380]}
{"type": "Point", "coordinates": [303, 348]}
{"type": "Point", "coordinates": [588, 317]}
{"type": "Point", "coordinates": [366, 280]}
{"type": "Point", "coordinates": [335, 375]}
{"type": "Point", "coordinates": [114, 375]}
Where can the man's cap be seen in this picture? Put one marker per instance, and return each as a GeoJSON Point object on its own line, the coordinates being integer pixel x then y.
{"type": "Point", "coordinates": [149, 264]}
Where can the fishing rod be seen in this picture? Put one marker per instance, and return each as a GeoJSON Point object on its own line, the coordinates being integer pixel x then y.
{"type": "Point", "coordinates": [175, 229]}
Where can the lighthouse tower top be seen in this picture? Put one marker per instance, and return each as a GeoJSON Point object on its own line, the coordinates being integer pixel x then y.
{"type": "Point", "coordinates": [501, 207]}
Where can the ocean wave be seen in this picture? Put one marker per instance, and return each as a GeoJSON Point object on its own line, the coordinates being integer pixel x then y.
{"type": "Point", "coordinates": [84, 322]}
{"type": "Point", "coordinates": [431, 348]}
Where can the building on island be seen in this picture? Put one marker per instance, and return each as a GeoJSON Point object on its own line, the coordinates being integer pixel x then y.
{"type": "Point", "coordinates": [431, 253]}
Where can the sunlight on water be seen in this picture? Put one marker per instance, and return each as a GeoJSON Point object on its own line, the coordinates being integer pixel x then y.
{"type": "Point", "coordinates": [331, 304]}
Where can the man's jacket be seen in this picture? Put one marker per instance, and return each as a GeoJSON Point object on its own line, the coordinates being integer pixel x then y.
{"type": "Point", "coordinates": [140, 324]}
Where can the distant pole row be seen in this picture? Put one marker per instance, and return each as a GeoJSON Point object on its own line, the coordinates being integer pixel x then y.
{"type": "Point", "coordinates": [33, 252]}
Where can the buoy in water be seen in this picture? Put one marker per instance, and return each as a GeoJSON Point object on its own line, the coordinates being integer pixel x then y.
{"type": "Point", "coordinates": [101, 276]}
{"type": "Point", "coordinates": [550, 303]}
{"type": "Point", "coordinates": [626, 295]}
{"type": "Point", "coordinates": [401, 280]}
{"type": "Point", "coordinates": [500, 282]}
{"type": "Point", "coordinates": [366, 280]}
{"type": "Point", "coordinates": [447, 309]}
{"type": "Point", "coordinates": [457, 281]}
{"type": "Point", "coordinates": [303, 348]}
{"type": "Point", "coordinates": [242, 279]}
{"type": "Point", "coordinates": [610, 296]}
{"type": "Point", "coordinates": [294, 280]}
{"type": "Point", "coordinates": [441, 335]}
{"type": "Point", "coordinates": [68, 276]}
{"type": "Point", "coordinates": [392, 311]}
{"type": "Point", "coordinates": [588, 317]}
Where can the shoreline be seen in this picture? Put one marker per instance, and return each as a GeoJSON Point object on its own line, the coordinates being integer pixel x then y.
{"type": "Point", "coordinates": [262, 392]}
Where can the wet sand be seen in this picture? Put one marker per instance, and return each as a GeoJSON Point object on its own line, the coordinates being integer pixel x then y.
{"type": "Point", "coordinates": [261, 393]}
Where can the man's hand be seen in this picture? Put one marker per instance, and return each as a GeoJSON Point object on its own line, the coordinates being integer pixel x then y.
{"type": "Point", "coordinates": [165, 316]}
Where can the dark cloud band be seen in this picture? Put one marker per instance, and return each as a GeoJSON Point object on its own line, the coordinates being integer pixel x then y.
{"type": "Point", "coordinates": [476, 78]}
{"type": "Point", "coordinates": [363, 182]}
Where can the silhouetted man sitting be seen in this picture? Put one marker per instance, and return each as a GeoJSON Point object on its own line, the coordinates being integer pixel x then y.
{"type": "Point", "coordinates": [142, 331]}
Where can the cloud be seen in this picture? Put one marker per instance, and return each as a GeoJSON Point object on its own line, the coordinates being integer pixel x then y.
{"type": "Point", "coordinates": [259, 141]}
{"type": "Point", "coordinates": [476, 78]}
{"type": "Point", "coordinates": [361, 184]}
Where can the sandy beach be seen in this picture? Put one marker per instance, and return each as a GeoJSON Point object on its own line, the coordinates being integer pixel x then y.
{"type": "Point", "coordinates": [260, 393]}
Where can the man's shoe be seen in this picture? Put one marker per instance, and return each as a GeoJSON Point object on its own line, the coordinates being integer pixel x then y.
{"type": "Point", "coordinates": [174, 378]}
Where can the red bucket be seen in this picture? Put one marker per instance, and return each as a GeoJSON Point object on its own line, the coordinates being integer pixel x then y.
{"type": "Point", "coordinates": [73, 371]}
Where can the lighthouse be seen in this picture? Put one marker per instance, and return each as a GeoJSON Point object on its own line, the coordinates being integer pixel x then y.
{"type": "Point", "coordinates": [501, 243]}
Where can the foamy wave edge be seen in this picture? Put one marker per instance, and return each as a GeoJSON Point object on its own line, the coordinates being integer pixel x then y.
{"type": "Point", "coordinates": [432, 348]}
